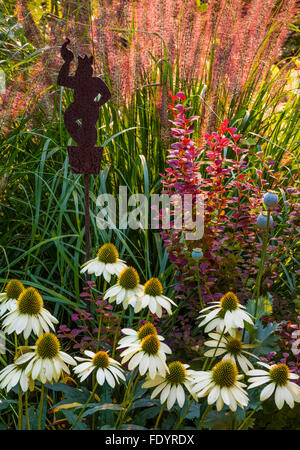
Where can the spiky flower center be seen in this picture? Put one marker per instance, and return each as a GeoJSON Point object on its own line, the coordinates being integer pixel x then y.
{"type": "Point", "coordinates": [224, 373]}
{"type": "Point", "coordinates": [30, 301]}
{"type": "Point", "coordinates": [153, 287]}
{"type": "Point", "coordinates": [129, 278]}
{"type": "Point", "coordinates": [14, 288]}
{"type": "Point", "coordinates": [101, 360]}
{"type": "Point", "coordinates": [234, 346]}
{"type": "Point", "coordinates": [150, 344]}
{"type": "Point", "coordinates": [21, 351]}
{"type": "Point", "coordinates": [229, 302]}
{"type": "Point", "coordinates": [47, 346]}
{"type": "Point", "coordinates": [146, 330]}
{"type": "Point", "coordinates": [177, 373]}
{"type": "Point", "coordinates": [108, 254]}
{"type": "Point", "coordinates": [280, 374]}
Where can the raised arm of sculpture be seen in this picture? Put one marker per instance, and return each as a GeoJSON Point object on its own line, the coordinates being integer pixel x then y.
{"type": "Point", "coordinates": [63, 77]}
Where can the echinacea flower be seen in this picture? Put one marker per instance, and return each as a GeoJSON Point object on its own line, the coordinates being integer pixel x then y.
{"type": "Point", "coordinates": [29, 315]}
{"type": "Point", "coordinates": [8, 299]}
{"type": "Point", "coordinates": [14, 374]}
{"type": "Point", "coordinates": [270, 199]}
{"type": "Point", "coordinates": [133, 337]}
{"type": "Point", "coordinates": [153, 298]}
{"type": "Point", "coordinates": [225, 315]}
{"type": "Point", "coordinates": [232, 348]}
{"type": "Point", "coordinates": [149, 355]}
{"type": "Point", "coordinates": [107, 263]}
{"type": "Point", "coordinates": [278, 378]}
{"type": "Point", "coordinates": [127, 290]}
{"type": "Point", "coordinates": [171, 386]}
{"type": "Point", "coordinates": [45, 362]}
{"type": "Point", "coordinates": [221, 386]}
{"type": "Point", "coordinates": [262, 221]}
{"type": "Point", "coordinates": [107, 369]}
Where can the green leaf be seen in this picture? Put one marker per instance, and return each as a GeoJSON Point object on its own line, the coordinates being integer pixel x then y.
{"type": "Point", "coordinates": [105, 407]}
{"type": "Point", "coordinates": [144, 403]}
{"type": "Point", "coordinates": [131, 426]}
{"type": "Point", "coordinates": [71, 417]}
{"type": "Point", "coordinates": [265, 338]}
{"type": "Point", "coordinates": [194, 411]}
{"type": "Point", "coordinates": [149, 413]}
{"type": "Point", "coordinates": [72, 395]}
{"type": "Point", "coordinates": [4, 404]}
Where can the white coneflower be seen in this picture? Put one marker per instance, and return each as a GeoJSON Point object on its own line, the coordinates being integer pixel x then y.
{"type": "Point", "coordinates": [225, 315]}
{"type": "Point", "coordinates": [107, 369]}
{"type": "Point", "coordinates": [232, 348]}
{"type": "Point", "coordinates": [46, 362]}
{"type": "Point", "coordinates": [221, 385]}
{"type": "Point", "coordinates": [127, 290]}
{"type": "Point", "coordinates": [14, 374]}
{"type": "Point", "coordinates": [148, 355]}
{"type": "Point", "coordinates": [153, 298]}
{"type": "Point", "coordinates": [107, 263]}
{"type": "Point", "coordinates": [29, 315]}
{"type": "Point", "coordinates": [171, 386]}
{"type": "Point", "coordinates": [278, 378]}
{"type": "Point", "coordinates": [133, 337]}
{"type": "Point", "coordinates": [8, 299]}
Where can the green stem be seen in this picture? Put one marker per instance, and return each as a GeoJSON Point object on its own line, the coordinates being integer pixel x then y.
{"type": "Point", "coordinates": [116, 334]}
{"type": "Point", "coordinates": [262, 263]}
{"type": "Point", "coordinates": [41, 407]}
{"type": "Point", "coordinates": [185, 413]}
{"type": "Point", "coordinates": [131, 388]}
{"type": "Point", "coordinates": [248, 417]}
{"type": "Point", "coordinates": [100, 317]}
{"type": "Point", "coordinates": [204, 417]}
{"type": "Point", "coordinates": [205, 363]}
{"type": "Point", "coordinates": [84, 406]}
{"type": "Point", "coordinates": [199, 286]}
{"type": "Point", "coordinates": [159, 416]}
{"type": "Point", "coordinates": [20, 411]}
{"type": "Point", "coordinates": [26, 411]}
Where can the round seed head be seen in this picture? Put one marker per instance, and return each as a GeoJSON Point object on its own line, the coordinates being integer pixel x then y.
{"type": "Point", "coordinates": [150, 344]}
{"type": "Point", "coordinates": [129, 278]}
{"type": "Point", "coordinates": [224, 373]}
{"type": "Point", "coordinates": [14, 288]}
{"type": "Point", "coordinates": [177, 373]}
{"type": "Point", "coordinates": [101, 360]}
{"type": "Point", "coordinates": [47, 346]}
{"type": "Point", "coordinates": [280, 374]}
{"type": "Point", "coordinates": [153, 287]}
{"type": "Point", "coordinates": [262, 221]}
{"type": "Point", "coordinates": [234, 346]}
{"type": "Point", "coordinates": [146, 330]}
{"type": "Point", "coordinates": [30, 302]}
{"type": "Point", "coordinates": [270, 199]}
{"type": "Point", "coordinates": [229, 302]}
{"type": "Point", "coordinates": [108, 254]}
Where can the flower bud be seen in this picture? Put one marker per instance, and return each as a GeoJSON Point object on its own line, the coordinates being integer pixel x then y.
{"type": "Point", "coordinates": [262, 221]}
{"type": "Point", "coordinates": [197, 253]}
{"type": "Point", "coordinates": [270, 199]}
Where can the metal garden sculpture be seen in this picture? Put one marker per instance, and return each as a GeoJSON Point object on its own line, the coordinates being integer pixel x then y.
{"type": "Point", "coordinates": [80, 119]}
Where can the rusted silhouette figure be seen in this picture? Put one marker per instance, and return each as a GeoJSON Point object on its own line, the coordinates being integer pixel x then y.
{"type": "Point", "coordinates": [85, 158]}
